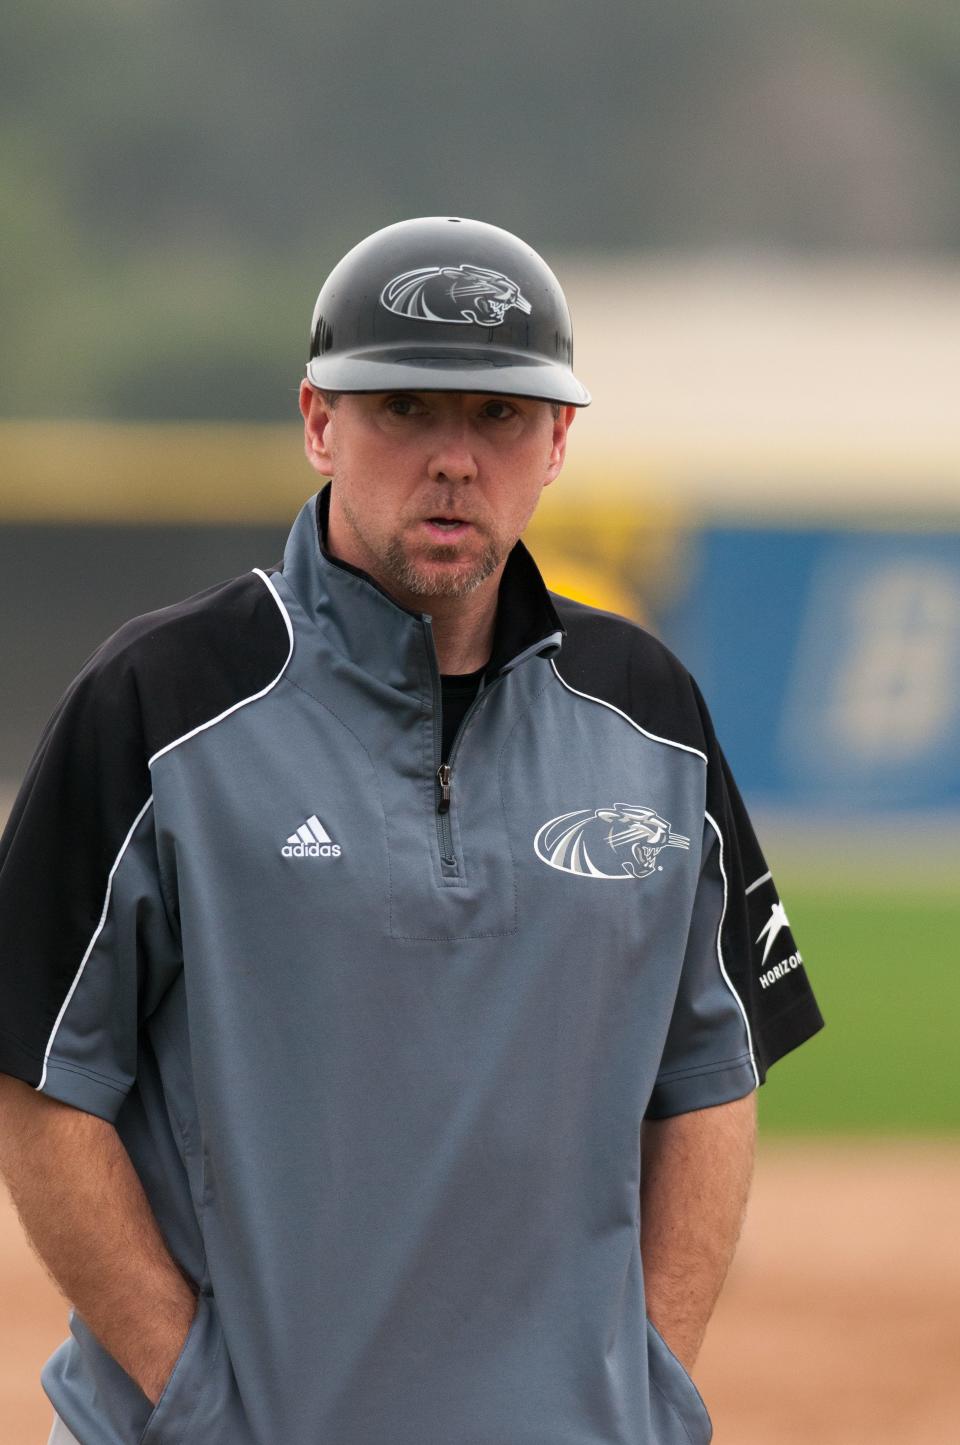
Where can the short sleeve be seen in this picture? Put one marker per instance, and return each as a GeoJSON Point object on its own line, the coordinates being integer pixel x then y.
{"type": "Point", "coordinates": [744, 998]}
{"type": "Point", "coordinates": [86, 943]}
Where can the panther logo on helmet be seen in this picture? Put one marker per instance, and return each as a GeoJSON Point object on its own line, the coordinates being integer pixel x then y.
{"type": "Point", "coordinates": [582, 842]}
{"type": "Point", "coordinates": [459, 294]}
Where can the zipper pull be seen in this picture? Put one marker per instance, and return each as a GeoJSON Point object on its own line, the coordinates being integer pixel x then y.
{"type": "Point", "coordinates": [443, 778]}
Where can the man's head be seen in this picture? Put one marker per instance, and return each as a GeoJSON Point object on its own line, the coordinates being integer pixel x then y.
{"type": "Point", "coordinates": [438, 396]}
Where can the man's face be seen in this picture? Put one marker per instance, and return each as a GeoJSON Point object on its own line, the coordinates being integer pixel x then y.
{"type": "Point", "coordinates": [432, 489]}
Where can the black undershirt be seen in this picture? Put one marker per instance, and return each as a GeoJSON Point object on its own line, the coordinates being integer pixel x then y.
{"type": "Point", "coordinates": [458, 690]}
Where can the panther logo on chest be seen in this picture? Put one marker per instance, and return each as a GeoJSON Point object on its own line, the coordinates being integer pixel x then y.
{"type": "Point", "coordinates": [623, 841]}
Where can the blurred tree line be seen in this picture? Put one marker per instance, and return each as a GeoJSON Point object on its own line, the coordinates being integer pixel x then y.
{"type": "Point", "coordinates": [177, 177]}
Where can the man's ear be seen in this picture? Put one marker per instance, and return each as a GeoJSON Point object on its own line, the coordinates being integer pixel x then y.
{"type": "Point", "coordinates": [558, 448]}
{"type": "Point", "coordinates": [316, 421]}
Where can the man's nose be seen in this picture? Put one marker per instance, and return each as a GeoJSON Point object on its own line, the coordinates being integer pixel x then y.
{"type": "Point", "coordinates": [453, 458]}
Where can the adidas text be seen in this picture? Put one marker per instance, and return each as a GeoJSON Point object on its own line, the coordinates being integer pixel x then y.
{"type": "Point", "coordinates": [311, 850]}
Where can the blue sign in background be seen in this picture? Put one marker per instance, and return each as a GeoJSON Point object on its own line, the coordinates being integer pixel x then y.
{"type": "Point", "coordinates": [830, 661]}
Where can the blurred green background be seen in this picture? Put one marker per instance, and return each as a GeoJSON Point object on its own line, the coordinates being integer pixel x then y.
{"type": "Point", "coordinates": [884, 964]}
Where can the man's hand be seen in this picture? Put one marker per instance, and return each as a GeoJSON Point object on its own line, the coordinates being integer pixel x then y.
{"type": "Point", "coordinates": [85, 1213]}
{"type": "Point", "coordinates": [695, 1176]}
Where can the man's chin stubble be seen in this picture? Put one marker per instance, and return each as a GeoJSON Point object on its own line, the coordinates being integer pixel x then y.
{"type": "Point", "coordinates": [420, 582]}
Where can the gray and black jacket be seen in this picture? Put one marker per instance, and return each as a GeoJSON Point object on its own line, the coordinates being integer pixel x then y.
{"type": "Point", "coordinates": [381, 1057]}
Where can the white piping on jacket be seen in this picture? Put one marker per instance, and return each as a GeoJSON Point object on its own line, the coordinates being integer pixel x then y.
{"type": "Point", "coordinates": [136, 822]}
{"type": "Point", "coordinates": [696, 751]}
{"type": "Point", "coordinates": [96, 934]}
{"type": "Point", "coordinates": [244, 700]}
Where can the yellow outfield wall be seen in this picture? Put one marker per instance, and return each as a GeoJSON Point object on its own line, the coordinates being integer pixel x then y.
{"type": "Point", "coordinates": [616, 528]}
{"type": "Point", "coordinates": [236, 472]}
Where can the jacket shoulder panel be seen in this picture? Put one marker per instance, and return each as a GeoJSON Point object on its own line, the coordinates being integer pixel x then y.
{"type": "Point", "coordinates": [191, 662]}
{"type": "Point", "coordinates": [615, 661]}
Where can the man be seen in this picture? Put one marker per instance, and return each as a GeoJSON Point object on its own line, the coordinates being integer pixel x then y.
{"type": "Point", "coordinates": [343, 1079]}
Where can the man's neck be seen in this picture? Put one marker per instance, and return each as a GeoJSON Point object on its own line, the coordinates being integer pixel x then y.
{"type": "Point", "coordinates": [463, 626]}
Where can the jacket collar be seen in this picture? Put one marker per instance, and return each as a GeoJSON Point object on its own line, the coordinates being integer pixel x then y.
{"type": "Point", "coordinates": [368, 624]}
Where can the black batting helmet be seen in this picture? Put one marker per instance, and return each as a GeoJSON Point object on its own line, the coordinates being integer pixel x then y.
{"type": "Point", "coordinates": [444, 304]}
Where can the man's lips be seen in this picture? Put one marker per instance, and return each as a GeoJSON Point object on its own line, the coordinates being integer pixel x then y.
{"type": "Point", "coordinates": [447, 529]}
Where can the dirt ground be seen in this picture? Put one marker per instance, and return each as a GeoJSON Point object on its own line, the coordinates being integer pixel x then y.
{"type": "Point", "coordinates": [839, 1323]}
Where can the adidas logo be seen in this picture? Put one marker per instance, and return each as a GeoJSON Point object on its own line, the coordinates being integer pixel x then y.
{"type": "Point", "coordinates": [311, 840]}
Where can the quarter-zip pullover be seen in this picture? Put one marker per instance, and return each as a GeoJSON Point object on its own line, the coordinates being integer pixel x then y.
{"type": "Point", "coordinates": [381, 1055]}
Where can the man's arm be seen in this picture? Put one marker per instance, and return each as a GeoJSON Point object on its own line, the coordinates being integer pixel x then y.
{"type": "Point", "coordinates": [696, 1172]}
{"type": "Point", "coordinates": [86, 1215]}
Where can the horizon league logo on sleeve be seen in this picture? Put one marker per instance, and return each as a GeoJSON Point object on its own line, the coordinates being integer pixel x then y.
{"type": "Point", "coordinates": [773, 926]}
{"type": "Point", "coordinates": [457, 294]}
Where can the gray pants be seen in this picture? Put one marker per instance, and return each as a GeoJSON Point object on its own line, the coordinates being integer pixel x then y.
{"type": "Point", "coordinates": [60, 1435]}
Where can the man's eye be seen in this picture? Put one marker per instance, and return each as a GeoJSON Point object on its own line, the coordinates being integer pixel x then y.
{"type": "Point", "coordinates": [499, 410]}
{"type": "Point", "coordinates": [402, 405]}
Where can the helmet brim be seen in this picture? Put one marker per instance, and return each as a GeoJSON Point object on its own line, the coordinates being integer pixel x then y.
{"type": "Point", "coordinates": [500, 373]}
